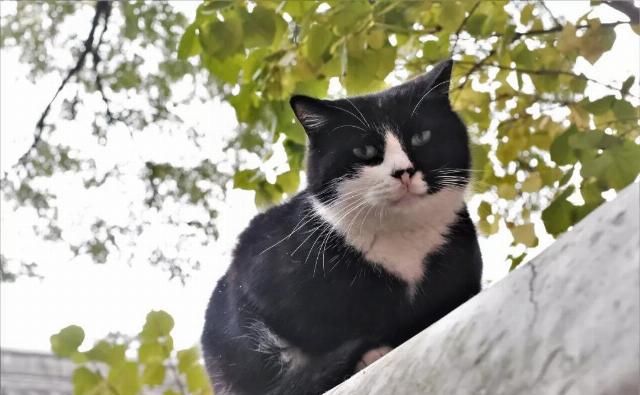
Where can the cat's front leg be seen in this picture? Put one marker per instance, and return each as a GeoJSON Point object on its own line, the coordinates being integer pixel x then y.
{"type": "Point", "coordinates": [371, 356]}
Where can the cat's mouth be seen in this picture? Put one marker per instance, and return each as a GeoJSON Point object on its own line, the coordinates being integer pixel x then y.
{"type": "Point", "coordinates": [408, 195]}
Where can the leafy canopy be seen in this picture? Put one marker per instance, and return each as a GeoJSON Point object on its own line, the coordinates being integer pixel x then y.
{"type": "Point", "coordinates": [547, 140]}
{"type": "Point", "coordinates": [538, 136]}
{"type": "Point", "coordinates": [120, 365]}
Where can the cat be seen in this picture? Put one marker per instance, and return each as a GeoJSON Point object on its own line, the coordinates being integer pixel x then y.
{"type": "Point", "coordinates": [376, 248]}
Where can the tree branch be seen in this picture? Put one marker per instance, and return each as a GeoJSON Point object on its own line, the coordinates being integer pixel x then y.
{"type": "Point", "coordinates": [553, 17]}
{"type": "Point", "coordinates": [480, 64]}
{"type": "Point", "coordinates": [102, 8]}
{"type": "Point", "coordinates": [464, 22]}
{"type": "Point", "coordinates": [95, 52]}
{"type": "Point", "coordinates": [556, 29]}
{"type": "Point", "coordinates": [627, 8]}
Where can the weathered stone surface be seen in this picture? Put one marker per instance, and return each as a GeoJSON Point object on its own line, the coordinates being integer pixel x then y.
{"type": "Point", "coordinates": [566, 323]}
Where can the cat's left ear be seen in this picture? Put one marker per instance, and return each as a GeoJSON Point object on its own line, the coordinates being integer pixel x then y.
{"type": "Point", "coordinates": [312, 113]}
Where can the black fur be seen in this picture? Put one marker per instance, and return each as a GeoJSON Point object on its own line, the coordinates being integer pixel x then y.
{"type": "Point", "coordinates": [333, 315]}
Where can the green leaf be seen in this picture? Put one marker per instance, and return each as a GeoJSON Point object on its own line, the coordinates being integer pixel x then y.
{"type": "Point", "coordinates": [289, 181]}
{"type": "Point", "coordinates": [104, 351]}
{"type": "Point", "coordinates": [259, 27]}
{"type": "Point", "coordinates": [187, 358]}
{"type": "Point", "coordinates": [125, 379]}
{"type": "Point", "coordinates": [226, 69]}
{"type": "Point", "coordinates": [475, 23]}
{"type": "Point", "coordinates": [479, 157]}
{"type": "Point", "coordinates": [159, 323]}
{"type": "Point", "coordinates": [153, 374]}
{"type": "Point", "coordinates": [267, 194]}
{"type": "Point", "coordinates": [516, 260]}
{"type": "Point", "coordinates": [591, 193]}
{"type": "Point", "coordinates": [316, 43]}
{"type": "Point", "coordinates": [246, 179]}
{"type": "Point", "coordinates": [627, 84]}
{"type": "Point", "coordinates": [526, 14]}
{"type": "Point", "coordinates": [617, 167]}
{"type": "Point", "coordinates": [533, 183]}
{"type": "Point", "coordinates": [524, 234]}
{"type": "Point", "coordinates": [599, 106]}
{"type": "Point", "coordinates": [489, 228]}
{"type": "Point", "coordinates": [484, 209]}
{"type": "Point", "coordinates": [596, 40]}
{"type": "Point", "coordinates": [348, 15]}
{"type": "Point", "coordinates": [558, 216]}
{"type": "Point", "coordinates": [376, 38]}
{"type": "Point", "coordinates": [560, 151]}
{"type": "Point", "coordinates": [625, 110]}
{"type": "Point", "coordinates": [189, 44]}
{"type": "Point", "coordinates": [85, 381]}
{"type": "Point", "coordinates": [507, 191]}
{"type": "Point", "coordinates": [360, 74]}
{"type": "Point", "coordinates": [222, 39]}
{"type": "Point", "coordinates": [196, 379]}
{"type": "Point", "coordinates": [451, 15]}
{"type": "Point", "coordinates": [66, 342]}
{"type": "Point", "coordinates": [152, 352]}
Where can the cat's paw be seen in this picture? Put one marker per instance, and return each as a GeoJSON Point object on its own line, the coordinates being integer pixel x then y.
{"type": "Point", "coordinates": [371, 356]}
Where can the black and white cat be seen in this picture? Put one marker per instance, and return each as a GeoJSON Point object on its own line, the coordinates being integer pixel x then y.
{"type": "Point", "coordinates": [377, 247]}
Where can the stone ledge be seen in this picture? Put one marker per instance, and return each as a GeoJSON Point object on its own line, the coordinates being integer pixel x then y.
{"type": "Point", "coordinates": [568, 322]}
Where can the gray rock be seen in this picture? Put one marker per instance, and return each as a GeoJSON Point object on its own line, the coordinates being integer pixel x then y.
{"type": "Point", "coordinates": [568, 322]}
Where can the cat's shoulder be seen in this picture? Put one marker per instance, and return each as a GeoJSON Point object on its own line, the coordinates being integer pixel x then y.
{"type": "Point", "coordinates": [274, 221]}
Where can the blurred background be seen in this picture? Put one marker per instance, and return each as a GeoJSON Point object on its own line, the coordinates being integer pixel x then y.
{"type": "Point", "coordinates": [139, 138]}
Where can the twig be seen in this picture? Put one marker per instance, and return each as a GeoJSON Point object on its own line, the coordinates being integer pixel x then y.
{"type": "Point", "coordinates": [553, 17]}
{"type": "Point", "coordinates": [464, 22]}
{"type": "Point", "coordinates": [95, 53]}
{"type": "Point", "coordinates": [539, 72]}
{"type": "Point", "coordinates": [556, 29]}
{"type": "Point", "coordinates": [474, 68]}
{"type": "Point", "coordinates": [102, 6]}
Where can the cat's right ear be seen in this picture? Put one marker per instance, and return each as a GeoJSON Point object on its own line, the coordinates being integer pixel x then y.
{"type": "Point", "coordinates": [312, 113]}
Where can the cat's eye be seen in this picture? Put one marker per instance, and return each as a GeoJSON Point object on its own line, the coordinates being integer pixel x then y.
{"type": "Point", "coordinates": [366, 152]}
{"type": "Point", "coordinates": [421, 138]}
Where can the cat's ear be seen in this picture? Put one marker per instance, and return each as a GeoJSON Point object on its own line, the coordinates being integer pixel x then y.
{"type": "Point", "coordinates": [312, 113]}
{"type": "Point", "coordinates": [435, 82]}
{"type": "Point", "coordinates": [440, 77]}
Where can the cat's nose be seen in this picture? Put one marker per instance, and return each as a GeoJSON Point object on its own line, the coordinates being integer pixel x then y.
{"type": "Point", "coordinates": [398, 173]}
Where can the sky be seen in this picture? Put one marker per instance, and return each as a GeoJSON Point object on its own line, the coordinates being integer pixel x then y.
{"type": "Point", "coordinates": [117, 296]}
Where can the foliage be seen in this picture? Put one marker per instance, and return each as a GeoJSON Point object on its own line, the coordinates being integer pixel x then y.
{"type": "Point", "coordinates": [547, 140]}
{"type": "Point", "coordinates": [119, 365]}
{"type": "Point", "coordinates": [532, 121]}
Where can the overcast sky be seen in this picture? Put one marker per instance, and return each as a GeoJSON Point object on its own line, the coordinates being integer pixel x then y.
{"type": "Point", "coordinates": [116, 297]}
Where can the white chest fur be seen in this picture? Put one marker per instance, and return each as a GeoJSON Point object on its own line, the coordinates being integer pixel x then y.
{"type": "Point", "coordinates": [398, 238]}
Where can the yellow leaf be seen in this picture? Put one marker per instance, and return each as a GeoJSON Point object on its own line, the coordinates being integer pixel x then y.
{"type": "Point", "coordinates": [525, 234]}
{"type": "Point", "coordinates": [533, 183]}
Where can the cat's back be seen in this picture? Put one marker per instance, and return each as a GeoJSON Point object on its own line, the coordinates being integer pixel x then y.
{"type": "Point", "coordinates": [270, 229]}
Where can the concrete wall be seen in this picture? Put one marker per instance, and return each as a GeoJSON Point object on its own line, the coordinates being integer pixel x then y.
{"type": "Point", "coordinates": [566, 323]}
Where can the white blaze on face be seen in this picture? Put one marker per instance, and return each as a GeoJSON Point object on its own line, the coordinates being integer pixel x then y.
{"type": "Point", "coordinates": [391, 220]}
{"type": "Point", "coordinates": [377, 186]}
{"type": "Point", "coordinates": [394, 155]}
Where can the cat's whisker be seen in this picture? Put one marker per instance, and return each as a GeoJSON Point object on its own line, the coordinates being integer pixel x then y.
{"type": "Point", "coordinates": [310, 216]}
{"type": "Point", "coordinates": [425, 95]}
{"type": "Point", "coordinates": [344, 126]}
{"type": "Point", "coordinates": [356, 108]}
{"type": "Point", "coordinates": [329, 228]}
{"type": "Point", "coordinates": [365, 218]}
{"type": "Point", "coordinates": [349, 112]}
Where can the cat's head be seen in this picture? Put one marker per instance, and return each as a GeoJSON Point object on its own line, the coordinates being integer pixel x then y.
{"type": "Point", "coordinates": [392, 148]}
